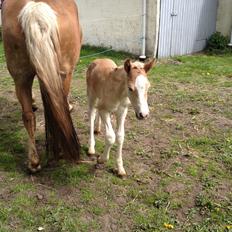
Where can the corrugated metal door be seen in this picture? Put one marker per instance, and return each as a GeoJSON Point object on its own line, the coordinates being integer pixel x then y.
{"type": "Point", "coordinates": [185, 26]}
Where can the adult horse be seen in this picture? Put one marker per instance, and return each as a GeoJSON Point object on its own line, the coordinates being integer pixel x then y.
{"type": "Point", "coordinates": [43, 38]}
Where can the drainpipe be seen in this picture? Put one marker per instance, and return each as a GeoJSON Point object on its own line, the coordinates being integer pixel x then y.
{"type": "Point", "coordinates": [230, 44]}
{"type": "Point", "coordinates": [157, 28]}
{"type": "Point", "coordinates": [144, 24]}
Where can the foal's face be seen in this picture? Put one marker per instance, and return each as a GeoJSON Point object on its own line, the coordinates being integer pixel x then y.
{"type": "Point", "coordinates": [138, 85]}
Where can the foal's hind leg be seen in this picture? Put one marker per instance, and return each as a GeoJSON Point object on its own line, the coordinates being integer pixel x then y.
{"type": "Point", "coordinates": [34, 106]}
{"type": "Point", "coordinates": [92, 115]}
{"type": "Point", "coordinates": [97, 129]}
{"type": "Point", "coordinates": [24, 94]}
{"type": "Point", "coordinates": [109, 138]}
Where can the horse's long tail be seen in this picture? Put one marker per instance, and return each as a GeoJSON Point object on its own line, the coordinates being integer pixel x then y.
{"type": "Point", "coordinates": [39, 24]}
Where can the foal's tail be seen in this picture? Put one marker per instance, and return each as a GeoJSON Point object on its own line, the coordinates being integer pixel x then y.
{"type": "Point", "coordinates": [39, 24]}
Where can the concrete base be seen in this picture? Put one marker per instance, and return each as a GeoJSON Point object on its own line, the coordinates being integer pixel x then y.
{"type": "Point", "coordinates": [142, 58]}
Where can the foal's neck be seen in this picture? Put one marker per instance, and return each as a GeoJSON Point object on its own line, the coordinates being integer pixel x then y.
{"type": "Point", "coordinates": [120, 73]}
{"type": "Point", "coordinates": [120, 76]}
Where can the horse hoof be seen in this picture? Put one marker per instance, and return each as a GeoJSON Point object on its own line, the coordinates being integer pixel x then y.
{"type": "Point", "coordinates": [70, 107]}
{"type": "Point", "coordinates": [122, 174]}
{"type": "Point", "coordinates": [97, 132]}
{"type": "Point", "coordinates": [92, 157]}
{"type": "Point", "coordinates": [34, 168]}
{"type": "Point", "coordinates": [91, 152]}
{"type": "Point", "coordinates": [100, 160]}
{"type": "Point", "coordinates": [100, 166]}
{"type": "Point", "coordinates": [34, 108]}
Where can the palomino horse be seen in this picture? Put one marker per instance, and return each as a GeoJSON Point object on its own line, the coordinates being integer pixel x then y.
{"type": "Point", "coordinates": [111, 89]}
{"type": "Point", "coordinates": [43, 38]}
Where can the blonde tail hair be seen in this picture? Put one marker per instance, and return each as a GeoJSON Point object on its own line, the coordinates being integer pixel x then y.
{"type": "Point", "coordinates": [39, 24]}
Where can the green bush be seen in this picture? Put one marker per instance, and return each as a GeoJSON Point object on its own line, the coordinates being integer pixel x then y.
{"type": "Point", "coordinates": [217, 43]}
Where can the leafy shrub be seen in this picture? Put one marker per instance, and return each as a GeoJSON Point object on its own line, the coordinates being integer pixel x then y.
{"type": "Point", "coordinates": [217, 43]}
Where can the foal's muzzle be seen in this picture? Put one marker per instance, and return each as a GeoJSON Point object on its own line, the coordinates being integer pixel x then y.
{"type": "Point", "coordinates": [141, 116]}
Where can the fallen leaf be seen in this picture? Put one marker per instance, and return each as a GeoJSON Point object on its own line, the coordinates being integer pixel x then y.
{"type": "Point", "coordinates": [168, 226]}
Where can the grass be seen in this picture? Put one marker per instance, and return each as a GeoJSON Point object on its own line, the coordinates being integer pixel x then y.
{"type": "Point", "coordinates": [178, 161]}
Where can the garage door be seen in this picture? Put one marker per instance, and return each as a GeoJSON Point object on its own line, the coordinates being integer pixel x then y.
{"type": "Point", "coordinates": [185, 25]}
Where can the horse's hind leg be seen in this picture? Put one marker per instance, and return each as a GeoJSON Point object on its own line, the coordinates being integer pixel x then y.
{"type": "Point", "coordinates": [67, 78]}
{"type": "Point", "coordinates": [24, 94]}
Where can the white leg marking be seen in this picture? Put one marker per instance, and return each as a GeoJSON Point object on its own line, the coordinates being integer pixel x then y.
{"type": "Point", "coordinates": [110, 135]}
{"type": "Point", "coordinates": [121, 116]}
{"type": "Point", "coordinates": [70, 106]}
{"type": "Point", "coordinates": [92, 114]}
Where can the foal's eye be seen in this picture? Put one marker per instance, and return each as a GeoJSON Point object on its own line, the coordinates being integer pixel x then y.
{"type": "Point", "coordinates": [130, 89]}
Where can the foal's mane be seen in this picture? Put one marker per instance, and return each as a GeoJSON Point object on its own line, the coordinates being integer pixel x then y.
{"type": "Point", "coordinates": [118, 73]}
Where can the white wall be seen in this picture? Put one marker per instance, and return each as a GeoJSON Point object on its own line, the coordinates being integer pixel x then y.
{"type": "Point", "coordinates": [116, 24]}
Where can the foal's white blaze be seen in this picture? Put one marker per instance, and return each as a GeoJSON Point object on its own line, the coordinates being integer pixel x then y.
{"type": "Point", "coordinates": [142, 85]}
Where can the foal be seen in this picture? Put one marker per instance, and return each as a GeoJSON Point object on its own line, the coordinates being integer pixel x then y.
{"type": "Point", "coordinates": [110, 89]}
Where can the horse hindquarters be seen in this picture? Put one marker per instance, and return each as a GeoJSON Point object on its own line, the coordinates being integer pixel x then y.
{"type": "Point", "coordinates": [39, 23]}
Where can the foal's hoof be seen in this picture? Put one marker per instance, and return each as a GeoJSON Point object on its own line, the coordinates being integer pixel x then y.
{"type": "Point", "coordinates": [100, 163]}
{"type": "Point", "coordinates": [121, 174]}
{"type": "Point", "coordinates": [97, 132]}
{"type": "Point", "coordinates": [100, 166]}
{"type": "Point", "coordinates": [92, 157]}
{"type": "Point", "coordinates": [34, 168]}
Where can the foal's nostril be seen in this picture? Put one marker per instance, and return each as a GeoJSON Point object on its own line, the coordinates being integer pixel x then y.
{"type": "Point", "coordinates": [141, 115]}
{"type": "Point", "coordinates": [145, 116]}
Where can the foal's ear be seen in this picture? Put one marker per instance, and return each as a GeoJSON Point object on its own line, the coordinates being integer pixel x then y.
{"type": "Point", "coordinates": [127, 65]}
{"type": "Point", "coordinates": [148, 65]}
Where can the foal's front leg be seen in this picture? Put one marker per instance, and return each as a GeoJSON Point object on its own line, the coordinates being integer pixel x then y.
{"type": "Point", "coordinates": [121, 116]}
{"type": "Point", "coordinates": [34, 106]}
{"type": "Point", "coordinates": [109, 138]}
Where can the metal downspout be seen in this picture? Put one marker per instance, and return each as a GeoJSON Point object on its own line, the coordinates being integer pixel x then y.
{"type": "Point", "coordinates": [157, 28]}
{"type": "Point", "coordinates": [230, 44]}
{"type": "Point", "coordinates": [144, 24]}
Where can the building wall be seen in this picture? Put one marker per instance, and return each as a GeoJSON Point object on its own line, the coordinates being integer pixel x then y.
{"type": "Point", "coordinates": [224, 19]}
{"type": "Point", "coordinates": [117, 24]}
